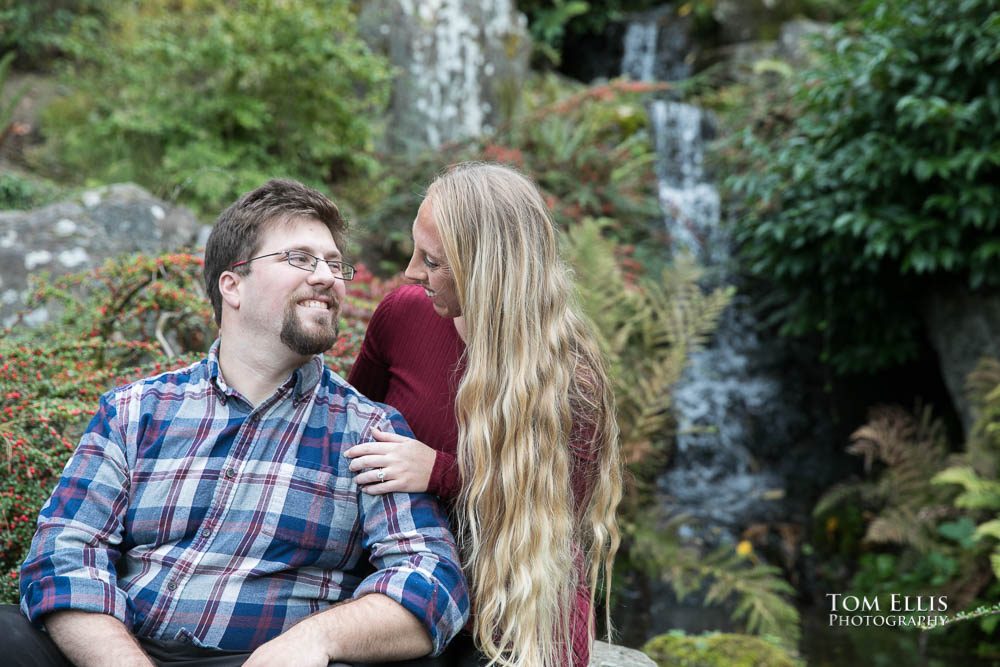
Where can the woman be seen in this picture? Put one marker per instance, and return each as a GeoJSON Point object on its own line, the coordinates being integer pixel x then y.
{"type": "Point", "coordinates": [489, 360]}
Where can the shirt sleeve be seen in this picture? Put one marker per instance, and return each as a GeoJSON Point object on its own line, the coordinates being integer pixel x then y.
{"type": "Point", "coordinates": [445, 481]}
{"type": "Point", "coordinates": [71, 561]}
{"type": "Point", "coordinates": [370, 372]}
{"type": "Point", "coordinates": [417, 561]}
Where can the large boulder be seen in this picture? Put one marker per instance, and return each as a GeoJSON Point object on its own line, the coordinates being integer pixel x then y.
{"type": "Point", "coordinates": [81, 233]}
{"type": "Point", "coordinates": [460, 65]}
{"type": "Point", "coordinates": [963, 327]}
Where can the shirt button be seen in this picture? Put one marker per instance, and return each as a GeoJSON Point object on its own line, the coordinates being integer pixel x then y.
{"type": "Point", "coordinates": [172, 586]}
{"type": "Point", "coordinates": [230, 473]}
{"type": "Point", "coordinates": [206, 532]}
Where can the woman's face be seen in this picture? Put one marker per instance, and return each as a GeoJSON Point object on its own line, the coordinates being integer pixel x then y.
{"type": "Point", "coordinates": [428, 267]}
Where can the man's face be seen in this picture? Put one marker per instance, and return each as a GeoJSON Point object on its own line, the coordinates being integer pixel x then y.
{"type": "Point", "coordinates": [280, 302]}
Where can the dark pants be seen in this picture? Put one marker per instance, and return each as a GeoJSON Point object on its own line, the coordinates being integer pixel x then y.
{"type": "Point", "coordinates": [24, 645]}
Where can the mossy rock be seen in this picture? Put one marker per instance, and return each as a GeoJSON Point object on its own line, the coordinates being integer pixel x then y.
{"type": "Point", "coordinates": [717, 650]}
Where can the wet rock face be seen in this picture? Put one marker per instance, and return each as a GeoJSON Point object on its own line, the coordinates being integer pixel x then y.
{"type": "Point", "coordinates": [81, 233]}
{"type": "Point", "coordinates": [460, 65]}
{"type": "Point", "coordinates": [963, 327]}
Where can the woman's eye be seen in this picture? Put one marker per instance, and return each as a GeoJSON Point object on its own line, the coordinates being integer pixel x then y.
{"type": "Point", "coordinates": [430, 264]}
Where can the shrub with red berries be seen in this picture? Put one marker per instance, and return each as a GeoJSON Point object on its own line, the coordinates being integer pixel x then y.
{"type": "Point", "coordinates": [132, 317]}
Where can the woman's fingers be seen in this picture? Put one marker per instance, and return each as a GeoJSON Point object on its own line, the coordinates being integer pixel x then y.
{"type": "Point", "coordinates": [386, 436]}
{"type": "Point", "coordinates": [373, 476]}
{"type": "Point", "coordinates": [369, 461]}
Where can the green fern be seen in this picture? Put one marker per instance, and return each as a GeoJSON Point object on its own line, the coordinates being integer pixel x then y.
{"type": "Point", "coordinates": [757, 592]}
{"type": "Point", "coordinates": [648, 328]}
{"type": "Point", "coordinates": [907, 451]}
{"type": "Point", "coordinates": [977, 473]}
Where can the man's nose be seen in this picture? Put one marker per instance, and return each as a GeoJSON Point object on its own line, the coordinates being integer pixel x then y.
{"type": "Point", "coordinates": [323, 274]}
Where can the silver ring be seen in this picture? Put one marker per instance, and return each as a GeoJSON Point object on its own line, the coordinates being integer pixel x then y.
{"type": "Point", "coordinates": [381, 475]}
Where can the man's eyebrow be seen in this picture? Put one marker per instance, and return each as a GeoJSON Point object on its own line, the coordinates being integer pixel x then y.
{"type": "Point", "coordinates": [333, 255]}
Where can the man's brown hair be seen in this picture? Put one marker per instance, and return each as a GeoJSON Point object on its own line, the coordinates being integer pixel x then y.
{"type": "Point", "coordinates": [237, 231]}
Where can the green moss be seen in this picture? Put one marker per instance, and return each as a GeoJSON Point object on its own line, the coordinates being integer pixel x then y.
{"type": "Point", "coordinates": [717, 650]}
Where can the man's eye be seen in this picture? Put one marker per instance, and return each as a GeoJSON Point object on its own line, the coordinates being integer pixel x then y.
{"type": "Point", "coordinates": [298, 258]}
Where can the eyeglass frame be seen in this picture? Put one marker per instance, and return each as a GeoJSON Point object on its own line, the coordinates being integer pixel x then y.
{"type": "Point", "coordinates": [344, 267]}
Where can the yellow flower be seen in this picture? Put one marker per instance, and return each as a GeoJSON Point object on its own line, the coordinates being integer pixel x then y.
{"type": "Point", "coordinates": [744, 548]}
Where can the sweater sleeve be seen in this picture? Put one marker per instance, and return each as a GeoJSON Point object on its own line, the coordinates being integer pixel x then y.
{"type": "Point", "coordinates": [370, 372]}
{"type": "Point", "coordinates": [445, 481]}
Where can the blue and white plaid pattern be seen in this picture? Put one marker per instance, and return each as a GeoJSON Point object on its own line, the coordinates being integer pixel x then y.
{"type": "Point", "coordinates": [188, 514]}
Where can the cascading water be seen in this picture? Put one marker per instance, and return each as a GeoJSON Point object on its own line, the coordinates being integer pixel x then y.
{"type": "Point", "coordinates": [729, 410]}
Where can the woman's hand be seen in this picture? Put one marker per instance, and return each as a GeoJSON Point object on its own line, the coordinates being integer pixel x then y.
{"type": "Point", "coordinates": [392, 463]}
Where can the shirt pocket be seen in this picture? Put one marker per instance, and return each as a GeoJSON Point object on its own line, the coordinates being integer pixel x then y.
{"type": "Point", "coordinates": [314, 520]}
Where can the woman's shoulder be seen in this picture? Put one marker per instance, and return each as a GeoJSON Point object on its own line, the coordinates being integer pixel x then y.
{"type": "Point", "coordinates": [406, 310]}
{"type": "Point", "coordinates": [406, 299]}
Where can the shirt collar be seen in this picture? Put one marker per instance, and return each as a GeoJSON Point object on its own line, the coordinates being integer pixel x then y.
{"type": "Point", "coordinates": [303, 380]}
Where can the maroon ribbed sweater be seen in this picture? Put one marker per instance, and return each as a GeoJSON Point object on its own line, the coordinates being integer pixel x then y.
{"type": "Point", "coordinates": [411, 359]}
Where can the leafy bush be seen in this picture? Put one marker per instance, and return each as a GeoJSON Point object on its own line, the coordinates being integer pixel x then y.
{"type": "Point", "coordinates": [587, 148]}
{"type": "Point", "coordinates": [648, 327]}
{"type": "Point", "coordinates": [923, 505]}
{"type": "Point", "coordinates": [35, 31]}
{"type": "Point", "coordinates": [22, 192]}
{"type": "Point", "coordinates": [133, 317]}
{"type": "Point", "coordinates": [978, 473]}
{"type": "Point", "coordinates": [716, 650]}
{"type": "Point", "coordinates": [206, 100]}
{"type": "Point", "coordinates": [878, 177]}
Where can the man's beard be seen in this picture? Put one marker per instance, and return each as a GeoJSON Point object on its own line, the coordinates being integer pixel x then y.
{"type": "Point", "coordinates": [306, 343]}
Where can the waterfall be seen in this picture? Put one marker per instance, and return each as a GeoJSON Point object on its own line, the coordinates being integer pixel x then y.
{"type": "Point", "coordinates": [729, 409]}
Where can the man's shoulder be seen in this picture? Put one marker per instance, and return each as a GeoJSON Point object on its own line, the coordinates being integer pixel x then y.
{"type": "Point", "coordinates": [165, 383]}
{"type": "Point", "coordinates": [343, 395]}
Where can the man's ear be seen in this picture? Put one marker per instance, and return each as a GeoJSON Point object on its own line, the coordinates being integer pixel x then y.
{"type": "Point", "coordinates": [229, 287]}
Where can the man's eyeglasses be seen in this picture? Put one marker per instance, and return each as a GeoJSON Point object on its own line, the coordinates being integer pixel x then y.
{"type": "Point", "coordinates": [307, 262]}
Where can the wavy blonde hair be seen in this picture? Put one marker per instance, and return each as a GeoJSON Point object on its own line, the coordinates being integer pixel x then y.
{"type": "Point", "coordinates": [534, 381]}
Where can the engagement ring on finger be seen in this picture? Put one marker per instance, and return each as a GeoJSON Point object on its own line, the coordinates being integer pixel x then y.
{"type": "Point", "coordinates": [381, 475]}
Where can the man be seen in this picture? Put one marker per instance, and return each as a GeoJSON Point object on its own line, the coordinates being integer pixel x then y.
{"type": "Point", "coordinates": [208, 513]}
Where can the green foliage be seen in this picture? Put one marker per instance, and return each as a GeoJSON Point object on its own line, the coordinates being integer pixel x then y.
{"type": "Point", "coordinates": [550, 22]}
{"type": "Point", "coordinates": [978, 475]}
{"type": "Point", "coordinates": [133, 317]}
{"type": "Point", "coordinates": [757, 592]}
{"type": "Point", "coordinates": [876, 176]}
{"type": "Point", "coordinates": [932, 516]}
{"type": "Point", "coordinates": [587, 148]}
{"type": "Point", "coordinates": [676, 649]}
{"type": "Point", "coordinates": [907, 453]}
{"type": "Point", "coordinates": [35, 31]}
{"type": "Point", "coordinates": [206, 100]}
{"type": "Point", "coordinates": [548, 25]}
{"type": "Point", "coordinates": [647, 328]}
{"type": "Point", "coordinates": [22, 192]}
{"type": "Point", "coordinates": [8, 105]}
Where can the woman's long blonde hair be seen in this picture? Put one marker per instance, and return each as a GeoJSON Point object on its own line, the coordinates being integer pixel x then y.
{"type": "Point", "coordinates": [534, 377]}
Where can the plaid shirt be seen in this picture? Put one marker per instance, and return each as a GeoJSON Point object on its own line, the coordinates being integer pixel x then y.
{"type": "Point", "coordinates": [188, 514]}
